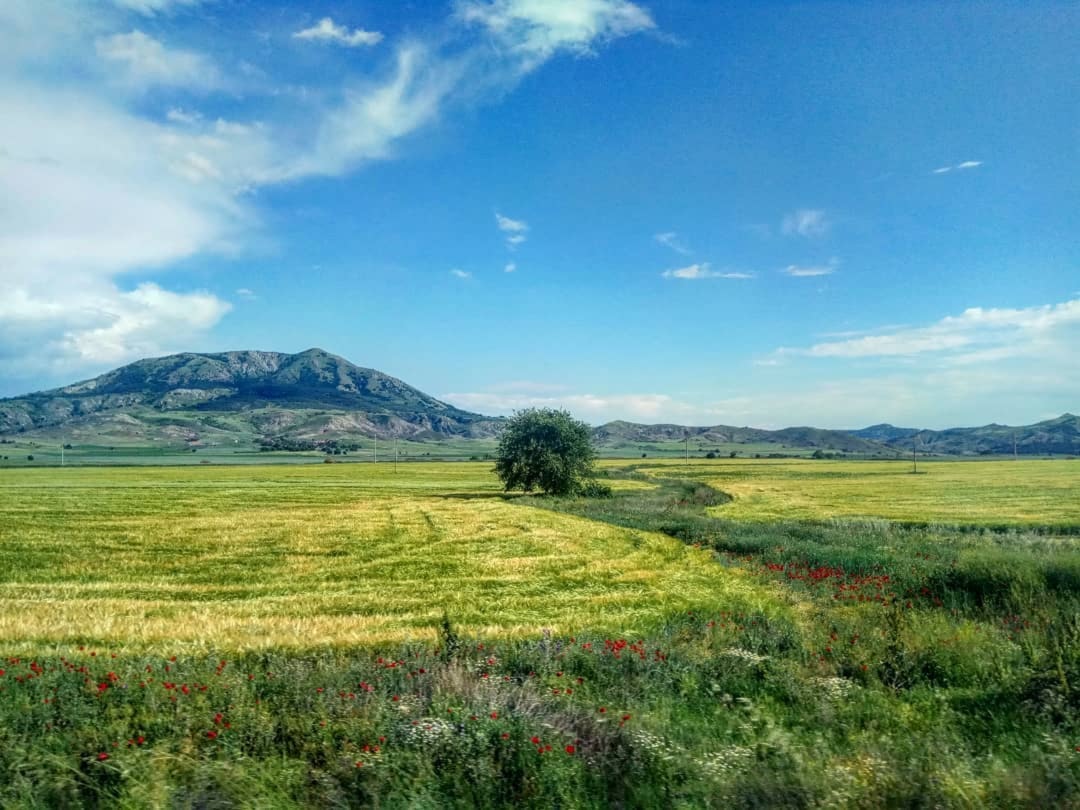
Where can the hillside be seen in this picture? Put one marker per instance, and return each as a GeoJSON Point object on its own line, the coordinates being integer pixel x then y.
{"type": "Point", "coordinates": [1053, 436]}
{"type": "Point", "coordinates": [629, 435]}
{"type": "Point", "coordinates": [317, 400]}
{"type": "Point", "coordinates": [306, 397]}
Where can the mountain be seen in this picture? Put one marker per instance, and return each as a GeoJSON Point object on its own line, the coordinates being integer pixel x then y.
{"type": "Point", "coordinates": [1053, 436]}
{"type": "Point", "coordinates": [315, 399]}
{"type": "Point", "coordinates": [313, 395]}
{"type": "Point", "coordinates": [884, 433]}
{"type": "Point", "coordinates": [627, 435]}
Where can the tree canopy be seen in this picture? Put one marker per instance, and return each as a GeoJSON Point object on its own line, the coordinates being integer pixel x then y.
{"type": "Point", "coordinates": [545, 449]}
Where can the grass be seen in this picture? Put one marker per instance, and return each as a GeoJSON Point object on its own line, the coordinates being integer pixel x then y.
{"type": "Point", "coordinates": [972, 493]}
{"type": "Point", "coordinates": [643, 650]}
{"type": "Point", "coordinates": [256, 557]}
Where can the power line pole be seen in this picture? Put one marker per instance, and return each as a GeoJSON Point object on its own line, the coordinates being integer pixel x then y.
{"type": "Point", "coordinates": [914, 457]}
{"type": "Point", "coordinates": [375, 460]}
{"type": "Point", "coordinates": [1016, 455]}
{"type": "Point", "coordinates": [61, 454]}
{"type": "Point", "coordinates": [686, 442]}
{"type": "Point", "coordinates": [395, 455]}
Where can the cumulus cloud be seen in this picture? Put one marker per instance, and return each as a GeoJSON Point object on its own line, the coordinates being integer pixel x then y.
{"type": "Point", "coordinates": [510, 267]}
{"type": "Point", "coordinates": [326, 30]}
{"type": "Point", "coordinates": [95, 322]}
{"type": "Point", "coordinates": [457, 273]}
{"type": "Point", "coordinates": [702, 270]}
{"type": "Point", "coordinates": [806, 222]}
{"type": "Point", "coordinates": [145, 62]}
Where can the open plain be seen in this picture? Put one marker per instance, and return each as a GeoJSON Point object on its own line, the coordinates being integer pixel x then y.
{"type": "Point", "coordinates": [796, 633]}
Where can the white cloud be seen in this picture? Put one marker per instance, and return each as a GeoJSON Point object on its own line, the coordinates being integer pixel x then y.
{"type": "Point", "coordinates": [810, 271]}
{"type": "Point", "coordinates": [534, 30]}
{"type": "Point", "coordinates": [246, 294]}
{"type": "Point", "coordinates": [595, 408]}
{"type": "Point", "coordinates": [670, 239]}
{"type": "Point", "coordinates": [806, 222]}
{"type": "Point", "coordinates": [327, 31]}
{"type": "Point", "coordinates": [93, 185]}
{"type": "Point", "coordinates": [146, 62]}
{"type": "Point", "coordinates": [510, 267]}
{"type": "Point", "coordinates": [507, 225]}
{"type": "Point", "coordinates": [515, 229]}
{"type": "Point", "coordinates": [456, 273]}
{"type": "Point", "coordinates": [93, 322]}
{"type": "Point", "coordinates": [151, 7]}
{"type": "Point", "coordinates": [701, 270]}
{"type": "Point", "coordinates": [967, 164]}
{"type": "Point", "coordinates": [979, 333]}
{"type": "Point", "coordinates": [181, 116]}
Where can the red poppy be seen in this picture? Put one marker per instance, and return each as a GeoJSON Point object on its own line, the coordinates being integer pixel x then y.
{"type": "Point", "coordinates": [570, 749]}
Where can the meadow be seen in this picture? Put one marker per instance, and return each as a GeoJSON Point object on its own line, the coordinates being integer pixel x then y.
{"type": "Point", "coordinates": [745, 633]}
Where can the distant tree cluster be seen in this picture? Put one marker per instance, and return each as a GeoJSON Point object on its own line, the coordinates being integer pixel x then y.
{"type": "Point", "coordinates": [334, 447]}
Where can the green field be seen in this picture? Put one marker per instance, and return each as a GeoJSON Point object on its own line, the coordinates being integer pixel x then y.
{"type": "Point", "coordinates": [241, 557]}
{"type": "Point", "coordinates": [978, 493]}
{"type": "Point", "coordinates": [839, 634]}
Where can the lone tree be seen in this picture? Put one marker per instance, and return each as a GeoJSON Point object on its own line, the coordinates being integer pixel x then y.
{"type": "Point", "coordinates": [545, 449]}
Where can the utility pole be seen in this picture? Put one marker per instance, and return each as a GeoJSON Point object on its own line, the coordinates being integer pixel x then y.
{"type": "Point", "coordinates": [914, 457]}
{"type": "Point", "coordinates": [686, 442]}
{"type": "Point", "coordinates": [395, 455]}
{"type": "Point", "coordinates": [375, 460]}
{"type": "Point", "coordinates": [61, 454]}
{"type": "Point", "coordinates": [1016, 455]}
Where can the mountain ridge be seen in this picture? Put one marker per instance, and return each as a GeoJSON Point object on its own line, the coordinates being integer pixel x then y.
{"type": "Point", "coordinates": [315, 398]}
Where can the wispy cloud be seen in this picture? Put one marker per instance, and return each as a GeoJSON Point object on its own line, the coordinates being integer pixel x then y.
{"type": "Point", "coordinates": [511, 267]}
{"type": "Point", "coordinates": [702, 270]}
{"type": "Point", "coordinates": [595, 408]}
{"type": "Point", "coordinates": [976, 334]}
{"type": "Point", "coordinates": [967, 164]}
{"type": "Point", "coordinates": [178, 115]}
{"type": "Point", "coordinates": [107, 185]}
{"type": "Point", "coordinates": [457, 273]}
{"type": "Point", "coordinates": [810, 271]}
{"type": "Point", "coordinates": [515, 229]}
{"type": "Point", "coordinates": [326, 30]}
{"type": "Point", "coordinates": [151, 7]}
{"type": "Point", "coordinates": [145, 62]}
{"type": "Point", "coordinates": [246, 294]}
{"type": "Point", "coordinates": [806, 222]}
{"type": "Point", "coordinates": [670, 239]}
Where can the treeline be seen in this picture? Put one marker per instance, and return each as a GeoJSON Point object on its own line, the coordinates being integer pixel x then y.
{"type": "Point", "coordinates": [334, 447]}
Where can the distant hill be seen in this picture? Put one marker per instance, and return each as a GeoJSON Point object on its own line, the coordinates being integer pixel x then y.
{"type": "Point", "coordinates": [629, 434]}
{"type": "Point", "coordinates": [1060, 436]}
{"type": "Point", "coordinates": [305, 397]}
{"type": "Point", "coordinates": [884, 433]}
{"type": "Point", "coordinates": [317, 400]}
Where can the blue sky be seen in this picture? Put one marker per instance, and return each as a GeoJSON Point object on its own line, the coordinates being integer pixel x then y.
{"type": "Point", "coordinates": [762, 213]}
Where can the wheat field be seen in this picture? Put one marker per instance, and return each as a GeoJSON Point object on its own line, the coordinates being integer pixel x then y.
{"type": "Point", "coordinates": [253, 557]}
